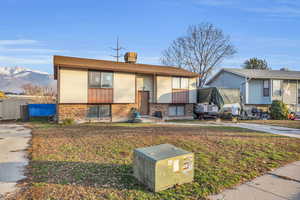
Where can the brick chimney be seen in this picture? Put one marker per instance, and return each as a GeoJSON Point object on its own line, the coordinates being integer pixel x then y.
{"type": "Point", "coordinates": [130, 57]}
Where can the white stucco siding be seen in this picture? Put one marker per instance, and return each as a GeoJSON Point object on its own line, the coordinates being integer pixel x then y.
{"type": "Point", "coordinates": [193, 90]}
{"type": "Point", "coordinates": [164, 89]}
{"type": "Point", "coordinates": [124, 88]}
{"type": "Point", "coordinates": [73, 86]}
{"type": "Point", "coordinates": [227, 80]}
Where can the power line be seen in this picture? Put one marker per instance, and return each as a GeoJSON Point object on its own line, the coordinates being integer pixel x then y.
{"type": "Point", "coordinates": [117, 50]}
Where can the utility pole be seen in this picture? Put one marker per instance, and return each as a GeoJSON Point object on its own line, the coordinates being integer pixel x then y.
{"type": "Point", "coordinates": [117, 50]}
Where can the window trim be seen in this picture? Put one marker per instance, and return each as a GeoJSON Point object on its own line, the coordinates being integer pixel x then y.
{"type": "Point", "coordinates": [100, 86]}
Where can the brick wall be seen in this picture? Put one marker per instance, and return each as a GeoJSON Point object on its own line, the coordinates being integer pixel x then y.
{"type": "Point", "coordinates": [163, 107]}
{"type": "Point", "coordinates": [121, 112]}
{"type": "Point", "coordinates": [189, 109]}
{"type": "Point", "coordinates": [72, 111]}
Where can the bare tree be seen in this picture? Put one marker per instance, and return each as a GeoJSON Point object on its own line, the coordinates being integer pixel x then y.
{"type": "Point", "coordinates": [201, 50]}
{"type": "Point", "coordinates": [41, 94]}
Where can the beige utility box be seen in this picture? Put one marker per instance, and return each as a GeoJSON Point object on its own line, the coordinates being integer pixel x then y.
{"type": "Point", "coordinates": [163, 166]}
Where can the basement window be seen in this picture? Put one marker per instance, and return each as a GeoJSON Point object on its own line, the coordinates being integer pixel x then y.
{"type": "Point", "coordinates": [266, 89]}
{"type": "Point", "coordinates": [99, 111]}
{"type": "Point", "coordinates": [176, 110]}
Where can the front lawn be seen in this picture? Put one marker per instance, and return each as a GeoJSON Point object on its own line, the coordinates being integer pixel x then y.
{"type": "Point", "coordinates": [95, 161]}
{"type": "Point", "coordinates": [283, 123]}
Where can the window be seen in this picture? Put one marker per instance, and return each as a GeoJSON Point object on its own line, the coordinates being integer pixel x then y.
{"type": "Point", "coordinates": [106, 80]}
{"type": "Point", "coordinates": [266, 90]}
{"type": "Point", "coordinates": [176, 83]}
{"type": "Point", "coordinates": [100, 79]}
{"type": "Point", "coordinates": [99, 111]}
{"type": "Point", "coordinates": [184, 83]}
{"type": "Point", "coordinates": [94, 79]}
{"type": "Point", "coordinates": [176, 110]}
{"type": "Point", "coordinates": [180, 83]}
{"type": "Point", "coordinates": [276, 88]}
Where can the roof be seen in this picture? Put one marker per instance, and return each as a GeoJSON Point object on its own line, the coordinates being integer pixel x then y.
{"type": "Point", "coordinates": [93, 64]}
{"type": "Point", "coordinates": [260, 74]}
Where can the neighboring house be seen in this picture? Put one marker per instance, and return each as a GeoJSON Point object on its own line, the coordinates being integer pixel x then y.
{"type": "Point", "coordinates": [99, 90]}
{"type": "Point", "coordinates": [261, 87]}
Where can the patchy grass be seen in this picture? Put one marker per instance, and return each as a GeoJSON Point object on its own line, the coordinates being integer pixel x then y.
{"type": "Point", "coordinates": [95, 161]}
{"type": "Point", "coordinates": [283, 123]}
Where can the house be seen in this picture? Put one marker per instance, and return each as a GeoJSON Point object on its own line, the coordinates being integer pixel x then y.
{"type": "Point", "coordinates": [261, 87]}
{"type": "Point", "coordinates": [100, 90]}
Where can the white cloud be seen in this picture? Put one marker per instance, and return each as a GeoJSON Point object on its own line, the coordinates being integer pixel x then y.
{"type": "Point", "coordinates": [288, 11]}
{"type": "Point", "coordinates": [14, 60]}
{"type": "Point", "coordinates": [18, 42]}
{"type": "Point", "coordinates": [31, 50]}
{"type": "Point", "coordinates": [275, 8]}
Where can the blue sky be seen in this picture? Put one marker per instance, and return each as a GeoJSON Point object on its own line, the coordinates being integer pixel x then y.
{"type": "Point", "coordinates": [32, 31]}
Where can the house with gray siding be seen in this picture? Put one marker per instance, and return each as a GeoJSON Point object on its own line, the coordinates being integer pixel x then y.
{"type": "Point", "coordinates": [261, 87]}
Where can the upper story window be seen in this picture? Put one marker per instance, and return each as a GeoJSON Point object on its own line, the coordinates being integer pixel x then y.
{"type": "Point", "coordinates": [276, 88]}
{"type": "Point", "coordinates": [180, 83]}
{"type": "Point", "coordinates": [100, 79]}
{"type": "Point", "coordinates": [266, 89]}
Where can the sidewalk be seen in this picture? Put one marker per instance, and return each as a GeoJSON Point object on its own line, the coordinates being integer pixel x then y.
{"type": "Point", "coordinates": [281, 184]}
{"type": "Point", "coordinates": [13, 140]}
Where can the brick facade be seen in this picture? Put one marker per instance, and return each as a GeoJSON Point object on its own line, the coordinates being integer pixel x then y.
{"type": "Point", "coordinates": [163, 107]}
{"type": "Point", "coordinates": [72, 111]}
{"type": "Point", "coordinates": [119, 112]}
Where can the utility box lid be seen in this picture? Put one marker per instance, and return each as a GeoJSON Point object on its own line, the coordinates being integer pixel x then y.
{"type": "Point", "coordinates": [161, 152]}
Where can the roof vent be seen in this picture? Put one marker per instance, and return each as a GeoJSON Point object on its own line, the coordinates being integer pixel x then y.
{"type": "Point", "coordinates": [130, 57]}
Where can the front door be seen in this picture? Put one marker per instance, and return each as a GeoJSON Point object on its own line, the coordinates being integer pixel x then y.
{"type": "Point", "coordinates": [143, 102]}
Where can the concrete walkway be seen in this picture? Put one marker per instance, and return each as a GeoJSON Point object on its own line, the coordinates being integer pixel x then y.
{"type": "Point", "coordinates": [14, 139]}
{"type": "Point", "coordinates": [281, 184]}
{"type": "Point", "coordinates": [290, 132]}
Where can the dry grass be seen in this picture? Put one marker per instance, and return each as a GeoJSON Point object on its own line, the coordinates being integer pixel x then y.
{"type": "Point", "coordinates": [283, 123]}
{"type": "Point", "coordinates": [94, 161]}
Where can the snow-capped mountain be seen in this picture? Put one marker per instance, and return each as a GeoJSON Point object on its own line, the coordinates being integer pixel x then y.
{"type": "Point", "coordinates": [13, 78]}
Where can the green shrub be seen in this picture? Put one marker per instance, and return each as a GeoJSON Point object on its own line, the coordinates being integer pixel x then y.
{"type": "Point", "coordinates": [279, 110]}
{"type": "Point", "coordinates": [68, 121]}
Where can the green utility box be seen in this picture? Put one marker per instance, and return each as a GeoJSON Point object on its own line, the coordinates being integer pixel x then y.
{"type": "Point", "coordinates": [163, 166]}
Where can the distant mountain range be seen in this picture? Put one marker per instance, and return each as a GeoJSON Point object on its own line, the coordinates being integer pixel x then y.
{"type": "Point", "coordinates": [13, 78]}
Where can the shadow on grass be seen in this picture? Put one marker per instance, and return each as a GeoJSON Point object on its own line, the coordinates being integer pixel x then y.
{"type": "Point", "coordinates": [117, 176]}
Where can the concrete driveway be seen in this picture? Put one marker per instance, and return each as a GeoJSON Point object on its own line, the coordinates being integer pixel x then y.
{"type": "Point", "coordinates": [14, 139]}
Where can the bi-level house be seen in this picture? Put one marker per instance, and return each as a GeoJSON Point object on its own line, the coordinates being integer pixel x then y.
{"type": "Point", "coordinates": [260, 87]}
{"type": "Point", "coordinates": [100, 90]}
